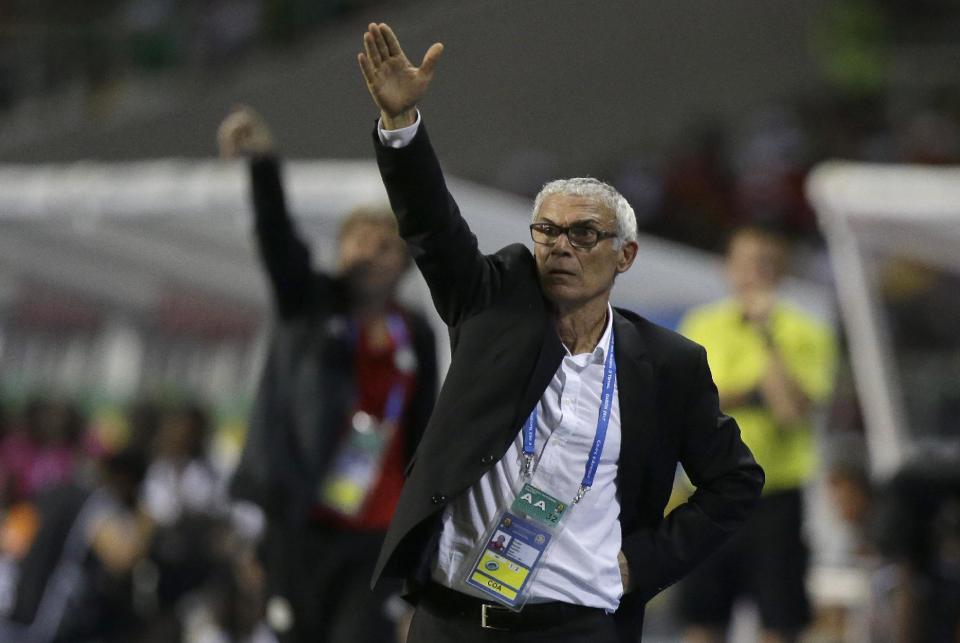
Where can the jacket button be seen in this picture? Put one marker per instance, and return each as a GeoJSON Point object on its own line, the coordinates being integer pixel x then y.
{"type": "Point", "coordinates": [487, 459]}
{"type": "Point", "coordinates": [438, 499]}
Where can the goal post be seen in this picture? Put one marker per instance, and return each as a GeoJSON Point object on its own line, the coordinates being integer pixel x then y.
{"type": "Point", "coordinates": [893, 235]}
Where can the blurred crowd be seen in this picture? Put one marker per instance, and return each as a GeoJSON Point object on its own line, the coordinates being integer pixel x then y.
{"type": "Point", "coordinates": [142, 520]}
{"type": "Point", "coordinates": [129, 539]}
{"type": "Point", "coordinates": [716, 178]}
{"type": "Point", "coordinates": [50, 45]}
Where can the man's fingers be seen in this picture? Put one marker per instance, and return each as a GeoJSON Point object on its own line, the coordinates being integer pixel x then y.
{"type": "Point", "coordinates": [243, 131]}
{"type": "Point", "coordinates": [226, 138]}
{"type": "Point", "coordinates": [430, 58]}
{"type": "Point", "coordinates": [393, 45]}
{"type": "Point", "coordinates": [370, 47]}
{"type": "Point", "coordinates": [226, 131]}
{"type": "Point", "coordinates": [366, 68]}
{"type": "Point", "coordinates": [380, 41]}
{"type": "Point", "coordinates": [229, 150]}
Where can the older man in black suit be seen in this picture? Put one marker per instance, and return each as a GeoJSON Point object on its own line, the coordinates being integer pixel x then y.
{"type": "Point", "coordinates": [551, 394]}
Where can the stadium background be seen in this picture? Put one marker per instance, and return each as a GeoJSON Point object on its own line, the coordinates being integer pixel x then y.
{"type": "Point", "coordinates": [127, 277]}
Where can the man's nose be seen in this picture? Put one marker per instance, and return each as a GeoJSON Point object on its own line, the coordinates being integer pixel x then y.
{"type": "Point", "coordinates": [562, 245]}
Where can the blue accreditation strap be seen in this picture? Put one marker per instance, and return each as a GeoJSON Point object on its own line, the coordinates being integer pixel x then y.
{"type": "Point", "coordinates": [603, 419]}
{"type": "Point", "coordinates": [355, 467]}
{"type": "Point", "coordinates": [397, 329]}
{"type": "Point", "coordinates": [401, 342]}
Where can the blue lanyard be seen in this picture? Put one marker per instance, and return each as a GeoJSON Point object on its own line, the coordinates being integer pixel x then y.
{"type": "Point", "coordinates": [603, 419]}
{"type": "Point", "coordinates": [393, 409]}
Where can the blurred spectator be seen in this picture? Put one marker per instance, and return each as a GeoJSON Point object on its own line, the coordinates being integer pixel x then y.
{"type": "Point", "coordinates": [918, 532]}
{"type": "Point", "coordinates": [44, 449]}
{"type": "Point", "coordinates": [772, 365]}
{"type": "Point", "coordinates": [143, 420]}
{"type": "Point", "coordinates": [231, 605]}
{"type": "Point", "coordinates": [181, 479]}
{"type": "Point", "coordinates": [186, 498]}
{"type": "Point", "coordinates": [347, 388]}
{"type": "Point", "coordinates": [5, 478]}
{"type": "Point", "coordinates": [698, 206]}
{"type": "Point", "coordinates": [849, 488]}
{"type": "Point", "coordinates": [73, 584]}
{"type": "Point", "coordinates": [845, 565]}
{"type": "Point", "coordinates": [772, 163]}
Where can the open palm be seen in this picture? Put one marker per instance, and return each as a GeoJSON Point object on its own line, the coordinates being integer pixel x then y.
{"type": "Point", "coordinates": [395, 85]}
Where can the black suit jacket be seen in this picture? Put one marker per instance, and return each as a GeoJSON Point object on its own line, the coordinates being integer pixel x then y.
{"type": "Point", "coordinates": [505, 350]}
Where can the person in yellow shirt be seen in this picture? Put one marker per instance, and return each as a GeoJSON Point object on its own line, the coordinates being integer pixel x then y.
{"type": "Point", "coordinates": [772, 364]}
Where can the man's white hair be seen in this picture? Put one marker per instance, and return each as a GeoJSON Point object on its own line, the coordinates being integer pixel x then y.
{"type": "Point", "coordinates": [600, 192]}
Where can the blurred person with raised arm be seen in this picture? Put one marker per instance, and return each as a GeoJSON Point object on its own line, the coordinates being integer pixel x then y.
{"type": "Point", "coordinates": [533, 510]}
{"type": "Point", "coordinates": [347, 387]}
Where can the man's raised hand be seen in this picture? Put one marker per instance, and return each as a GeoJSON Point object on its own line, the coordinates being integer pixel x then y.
{"type": "Point", "coordinates": [395, 85]}
{"type": "Point", "coordinates": [244, 133]}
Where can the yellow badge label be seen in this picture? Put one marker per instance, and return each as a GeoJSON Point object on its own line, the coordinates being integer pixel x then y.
{"type": "Point", "coordinates": [495, 586]}
{"type": "Point", "coordinates": [343, 495]}
{"type": "Point", "coordinates": [503, 570]}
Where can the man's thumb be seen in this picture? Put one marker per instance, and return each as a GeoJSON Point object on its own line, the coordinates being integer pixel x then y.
{"type": "Point", "coordinates": [431, 57]}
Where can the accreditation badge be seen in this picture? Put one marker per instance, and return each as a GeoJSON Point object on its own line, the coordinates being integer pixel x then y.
{"type": "Point", "coordinates": [355, 466]}
{"type": "Point", "coordinates": [511, 552]}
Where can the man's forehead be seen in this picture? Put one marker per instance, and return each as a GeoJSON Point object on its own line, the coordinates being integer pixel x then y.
{"type": "Point", "coordinates": [754, 244]}
{"type": "Point", "coordinates": [567, 208]}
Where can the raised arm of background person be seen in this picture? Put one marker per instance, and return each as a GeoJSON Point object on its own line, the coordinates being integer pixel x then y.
{"type": "Point", "coordinates": [728, 482]}
{"type": "Point", "coordinates": [284, 254]}
{"type": "Point", "coordinates": [461, 279]}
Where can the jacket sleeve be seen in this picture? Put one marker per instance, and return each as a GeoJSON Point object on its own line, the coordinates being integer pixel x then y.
{"type": "Point", "coordinates": [461, 279]}
{"type": "Point", "coordinates": [294, 285]}
{"type": "Point", "coordinates": [421, 406]}
{"type": "Point", "coordinates": [728, 482]}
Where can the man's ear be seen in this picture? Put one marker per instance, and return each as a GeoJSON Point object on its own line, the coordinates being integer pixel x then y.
{"type": "Point", "coordinates": [626, 255]}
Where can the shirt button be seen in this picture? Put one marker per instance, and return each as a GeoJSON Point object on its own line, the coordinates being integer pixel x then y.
{"type": "Point", "coordinates": [438, 499]}
{"type": "Point", "coordinates": [487, 459]}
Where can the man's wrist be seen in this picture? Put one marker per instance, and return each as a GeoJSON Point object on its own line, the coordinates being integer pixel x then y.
{"type": "Point", "coordinates": [398, 138]}
{"type": "Point", "coordinates": [625, 578]}
{"type": "Point", "coordinates": [398, 121]}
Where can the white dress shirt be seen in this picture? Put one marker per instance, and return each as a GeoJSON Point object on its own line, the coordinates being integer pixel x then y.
{"type": "Point", "coordinates": [581, 566]}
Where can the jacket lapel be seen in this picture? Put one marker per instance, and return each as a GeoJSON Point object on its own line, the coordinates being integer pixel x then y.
{"type": "Point", "coordinates": [636, 395]}
{"type": "Point", "coordinates": [548, 361]}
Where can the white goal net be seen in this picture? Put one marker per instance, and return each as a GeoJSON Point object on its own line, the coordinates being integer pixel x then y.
{"type": "Point", "coordinates": [893, 233]}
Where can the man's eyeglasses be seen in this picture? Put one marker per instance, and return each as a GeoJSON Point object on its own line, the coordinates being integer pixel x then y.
{"type": "Point", "coordinates": [580, 236]}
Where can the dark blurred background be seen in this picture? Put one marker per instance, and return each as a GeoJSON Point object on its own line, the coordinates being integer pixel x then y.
{"type": "Point", "coordinates": [138, 327]}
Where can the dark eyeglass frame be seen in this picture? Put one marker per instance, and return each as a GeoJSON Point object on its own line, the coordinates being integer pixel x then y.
{"type": "Point", "coordinates": [565, 230]}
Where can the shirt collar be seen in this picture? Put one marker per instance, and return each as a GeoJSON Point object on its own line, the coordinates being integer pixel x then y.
{"type": "Point", "coordinates": [600, 352]}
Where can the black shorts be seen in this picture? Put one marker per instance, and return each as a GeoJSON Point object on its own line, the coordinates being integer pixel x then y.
{"type": "Point", "coordinates": [766, 561]}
